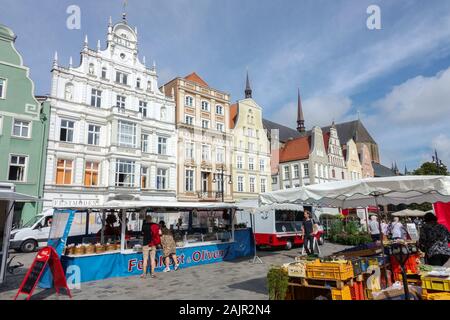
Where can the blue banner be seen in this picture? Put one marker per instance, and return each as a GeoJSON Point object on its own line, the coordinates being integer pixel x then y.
{"type": "Point", "coordinates": [104, 266]}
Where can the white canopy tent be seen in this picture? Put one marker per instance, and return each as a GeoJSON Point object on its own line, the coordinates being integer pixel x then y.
{"type": "Point", "coordinates": [366, 192]}
{"type": "Point", "coordinates": [409, 213]}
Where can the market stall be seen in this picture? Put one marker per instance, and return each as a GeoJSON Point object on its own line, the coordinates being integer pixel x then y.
{"type": "Point", "coordinates": [7, 199]}
{"type": "Point", "coordinates": [400, 258]}
{"type": "Point", "coordinates": [204, 233]}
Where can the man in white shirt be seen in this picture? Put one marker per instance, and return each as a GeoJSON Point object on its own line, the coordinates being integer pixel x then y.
{"type": "Point", "coordinates": [374, 228]}
{"type": "Point", "coordinates": [397, 229]}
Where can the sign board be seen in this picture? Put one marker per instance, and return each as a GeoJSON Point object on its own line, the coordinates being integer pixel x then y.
{"type": "Point", "coordinates": [45, 256]}
{"type": "Point", "coordinates": [412, 230]}
{"type": "Point", "coordinates": [361, 213]}
{"type": "Point", "coordinates": [75, 203]}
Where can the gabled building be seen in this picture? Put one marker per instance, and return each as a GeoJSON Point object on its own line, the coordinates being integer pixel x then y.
{"type": "Point", "coordinates": [336, 160]}
{"type": "Point", "coordinates": [204, 140]}
{"type": "Point", "coordinates": [354, 168]}
{"type": "Point", "coordinates": [23, 128]}
{"type": "Point", "coordinates": [112, 131]}
{"type": "Point", "coordinates": [251, 152]}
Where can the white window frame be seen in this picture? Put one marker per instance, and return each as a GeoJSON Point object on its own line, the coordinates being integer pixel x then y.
{"type": "Point", "coordinates": [206, 152]}
{"type": "Point", "coordinates": [306, 170]}
{"type": "Point", "coordinates": [207, 104]}
{"type": "Point", "coordinates": [121, 135]}
{"type": "Point", "coordinates": [143, 108]}
{"type": "Point", "coordinates": [131, 165]}
{"type": "Point", "coordinates": [162, 145]}
{"type": "Point", "coordinates": [146, 175]}
{"type": "Point", "coordinates": [189, 101]}
{"type": "Point", "coordinates": [205, 122]}
{"type": "Point", "coordinates": [144, 142]}
{"type": "Point", "coordinates": [189, 180]}
{"type": "Point", "coordinates": [69, 129]}
{"type": "Point", "coordinates": [219, 109]}
{"type": "Point", "coordinates": [3, 89]}
{"type": "Point", "coordinates": [29, 127]}
{"type": "Point", "coordinates": [252, 184]}
{"type": "Point", "coordinates": [96, 98]}
{"type": "Point", "coordinates": [286, 172]}
{"type": "Point", "coordinates": [95, 134]}
{"type": "Point", "coordinates": [188, 119]}
{"type": "Point", "coordinates": [24, 166]}
{"type": "Point", "coordinates": [296, 171]}
{"type": "Point", "coordinates": [262, 165]}
{"type": "Point", "coordinates": [239, 161]}
{"type": "Point", "coordinates": [123, 77]}
{"type": "Point", "coordinates": [1, 124]}
{"type": "Point", "coordinates": [220, 155]}
{"type": "Point", "coordinates": [138, 83]}
{"type": "Point", "coordinates": [104, 73]}
{"type": "Point", "coordinates": [240, 184]}
{"type": "Point", "coordinates": [220, 127]}
{"type": "Point", "coordinates": [251, 163]}
{"type": "Point", "coordinates": [263, 185]}
{"type": "Point", "coordinates": [162, 178]}
{"type": "Point", "coordinates": [121, 102]}
{"type": "Point", "coordinates": [189, 150]}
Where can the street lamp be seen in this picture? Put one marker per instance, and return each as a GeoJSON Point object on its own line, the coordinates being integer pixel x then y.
{"type": "Point", "coordinates": [222, 179]}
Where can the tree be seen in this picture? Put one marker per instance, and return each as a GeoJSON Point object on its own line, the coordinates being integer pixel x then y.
{"type": "Point", "coordinates": [431, 169]}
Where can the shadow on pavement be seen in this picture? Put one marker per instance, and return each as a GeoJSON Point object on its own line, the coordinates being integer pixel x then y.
{"type": "Point", "coordinates": [258, 285]}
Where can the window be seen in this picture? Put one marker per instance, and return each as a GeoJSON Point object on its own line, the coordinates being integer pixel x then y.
{"type": "Point", "coordinates": [241, 144]}
{"type": "Point", "coordinates": [220, 155]}
{"type": "Point", "coordinates": [262, 165]}
{"type": "Point", "coordinates": [144, 178]}
{"type": "Point", "coordinates": [205, 152]}
{"type": "Point", "coordinates": [126, 134]}
{"type": "Point", "coordinates": [316, 167]}
{"type": "Point", "coordinates": [240, 184]}
{"type": "Point", "coordinates": [189, 179]}
{"type": "Point", "coordinates": [250, 132]}
{"type": "Point", "coordinates": [64, 172]}
{"type": "Point", "coordinates": [149, 85]}
{"type": "Point", "coordinates": [21, 128]}
{"type": "Point", "coordinates": [124, 173]}
{"type": "Point", "coordinates": [296, 171]}
{"type": "Point", "coordinates": [120, 102]}
{"type": "Point", "coordinates": [2, 88]}
{"type": "Point", "coordinates": [219, 109]}
{"type": "Point", "coordinates": [343, 176]}
{"type": "Point", "coordinates": [274, 180]}
{"type": "Point", "coordinates": [104, 73]}
{"type": "Point", "coordinates": [286, 173]}
{"type": "Point", "coordinates": [333, 173]}
{"type": "Point", "coordinates": [252, 184]}
{"type": "Point", "coordinates": [306, 170]}
{"type": "Point", "coordinates": [66, 131]}
{"type": "Point", "coordinates": [205, 124]}
{"type": "Point", "coordinates": [121, 77]}
{"type": "Point", "coordinates": [189, 150]}
{"type": "Point", "coordinates": [91, 69]}
{"type": "Point", "coordinates": [162, 145]}
{"type": "Point", "coordinates": [17, 168]}
{"type": "Point", "coordinates": [143, 108]}
{"type": "Point", "coordinates": [239, 162]}
{"type": "Point", "coordinates": [189, 101]}
{"type": "Point", "coordinates": [220, 127]}
{"type": "Point", "coordinates": [96, 98]}
{"type": "Point", "coordinates": [138, 83]}
{"type": "Point", "coordinates": [189, 120]}
{"type": "Point", "coordinates": [251, 164]}
{"type": "Point", "coordinates": [263, 185]}
{"type": "Point", "coordinates": [251, 146]}
{"type": "Point", "coordinates": [205, 106]}
{"type": "Point", "coordinates": [93, 135]}
{"type": "Point", "coordinates": [144, 142]}
{"type": "Point", "coordinates": [91, 174]}
{"type": "Point", "coordinates": [161, 179]}
{"type": "Point", "coordinates": [1, 125]}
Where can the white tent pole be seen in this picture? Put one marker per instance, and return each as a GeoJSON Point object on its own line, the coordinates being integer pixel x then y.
{"type": "Point", "coordinates": [256, 259]}
{"type": "Point", "coordinates": [122, 232]}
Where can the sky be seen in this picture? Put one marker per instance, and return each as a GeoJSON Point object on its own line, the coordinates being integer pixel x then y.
{"type": "Point", "coordinates": [396, 79]}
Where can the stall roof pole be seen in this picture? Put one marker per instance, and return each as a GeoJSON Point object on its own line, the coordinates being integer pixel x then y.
{"type": "Point", "coordinates": [102, 232]}
{"type": "Point", "coordinates": [122, 231]}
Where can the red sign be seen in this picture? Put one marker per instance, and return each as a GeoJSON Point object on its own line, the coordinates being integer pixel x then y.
{"type": "Point", "coordinates": [45, 256]}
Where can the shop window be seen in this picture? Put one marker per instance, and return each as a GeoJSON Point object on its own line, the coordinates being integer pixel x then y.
{"type": "Point", "coordinates": [64, 172]}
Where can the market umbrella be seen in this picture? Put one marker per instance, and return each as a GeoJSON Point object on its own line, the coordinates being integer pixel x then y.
{"type": "Point", "coordinates": [409, 213]}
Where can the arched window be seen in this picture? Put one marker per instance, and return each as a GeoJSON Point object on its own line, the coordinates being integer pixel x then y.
{"type": "Point", "coordinates": [68, 91]}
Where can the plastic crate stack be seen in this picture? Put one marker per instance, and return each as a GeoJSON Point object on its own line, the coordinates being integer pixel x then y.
{"type": "Point", "coordinates": [435, 288]}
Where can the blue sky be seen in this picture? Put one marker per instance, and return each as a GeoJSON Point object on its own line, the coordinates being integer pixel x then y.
{"type": "Point", "coordinates": [398, 77]}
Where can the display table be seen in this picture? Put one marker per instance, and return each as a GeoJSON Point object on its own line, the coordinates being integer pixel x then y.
{"type": "Point", "coordinates": [92, 267]}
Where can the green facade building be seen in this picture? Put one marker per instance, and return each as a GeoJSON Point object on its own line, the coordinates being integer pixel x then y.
{"type": "Point", "coordinates": [23, 128]}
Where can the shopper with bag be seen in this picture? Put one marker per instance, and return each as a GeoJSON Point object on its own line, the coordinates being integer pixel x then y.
{"type": "Point", "coordinates": [151, 234]}
{"type": "Point", "coordinates": [169, 247]}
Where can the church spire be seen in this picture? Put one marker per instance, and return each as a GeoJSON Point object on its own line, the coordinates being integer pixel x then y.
{"type": "Point", "coordinates": [124, 13]}
{"type": "Point", "coordinates": [300, 118]}
{"type": "Point", "coordinates": [248, 89]}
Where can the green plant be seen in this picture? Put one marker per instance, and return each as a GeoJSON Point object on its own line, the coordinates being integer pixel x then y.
{"type": "Point", "coordinates": [277, 282]}
{"type": "Point", "coordinates": [352, 227]}
{"type": "Point", "coordinates": [336, 227]}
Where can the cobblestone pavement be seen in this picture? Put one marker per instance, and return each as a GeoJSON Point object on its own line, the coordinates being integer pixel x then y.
{"type": "Point", "coordinates": [232, 280]}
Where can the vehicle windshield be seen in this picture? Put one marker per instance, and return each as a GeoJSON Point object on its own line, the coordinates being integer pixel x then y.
{"type": "Point", "coordinates": [32, 221]}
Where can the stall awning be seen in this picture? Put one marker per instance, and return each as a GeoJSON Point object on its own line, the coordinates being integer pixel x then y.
{"type": "Point", "coordinates": [279, 206]}
{"type": "Point", "coordinates": [136, 204]}
{"type": "Point", "coordinates": [9, 195]}
{"type": "Point", "coordinates": [409, 213]}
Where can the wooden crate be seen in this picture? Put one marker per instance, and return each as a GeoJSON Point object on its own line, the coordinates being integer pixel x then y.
{"type": "Point", "coordinates": [297, 270]}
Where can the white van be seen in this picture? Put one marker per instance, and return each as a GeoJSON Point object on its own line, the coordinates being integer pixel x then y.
{"type": "Point", "coordinates": [34, 233]}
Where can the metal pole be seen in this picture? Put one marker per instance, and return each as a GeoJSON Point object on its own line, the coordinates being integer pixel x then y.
{"type": "Point", "coordinates": [223, 186]}
{"type": "Point", "coordinates": [122, 232]}
{"type": "Point", "coordinates": [381, 240]}
{"type": "Point", "coordinates": [102, 233]}
{"type": "Point", "coordinates": [6, 235]}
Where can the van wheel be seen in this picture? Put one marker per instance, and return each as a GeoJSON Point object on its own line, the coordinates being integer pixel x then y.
{"type": "Point", "coordinates": [288, 245]}
{"type": "Point", "coordinates": [28, 246]}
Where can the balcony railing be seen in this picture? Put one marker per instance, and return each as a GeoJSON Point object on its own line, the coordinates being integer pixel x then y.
{"type": "Point", "coordinates": [210, 195]}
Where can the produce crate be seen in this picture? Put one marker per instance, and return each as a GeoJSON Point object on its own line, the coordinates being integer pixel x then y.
{"type": "Point", "coordinates": [330, 270]}
{"type": "Point", "coordinates": [436, 296]}
{"type": "Point", "coordinates": [341, 294]}
{"type": "Point", "coordinates": [437, 284]}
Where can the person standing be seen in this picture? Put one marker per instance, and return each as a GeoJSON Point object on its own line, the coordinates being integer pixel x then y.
{"type": "Point", "coordinates": [151, 239]}
{"type": "Point", "coordinates": [397, 229]}
{"type": "Point", "coordinates": [433, 240]}
{"type": "Point", "coordinates": [374, 228]}
{"type": "Point", "coordinates": [308, 233]}
{"type": "Point", "coordinates": [169, 247]}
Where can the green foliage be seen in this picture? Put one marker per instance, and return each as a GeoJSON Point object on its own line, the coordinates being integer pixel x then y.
{"type": "Point", "coordinates": [336, 227]}
{"type": "Point", "coordinates": [348, 234]}
{"type": "Point", "coordinates": [431, 169]}
{"type": "Point", "coordinates": [352, 228]}
{"type": "Point", "coordinates": [278, 283]}
{"type": "Point", "coordinates": [423, 207]}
